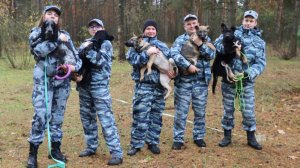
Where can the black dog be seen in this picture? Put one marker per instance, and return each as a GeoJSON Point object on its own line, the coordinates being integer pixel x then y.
{"type": "Point", "coordinates": [49, 31]}
{"type": "Point", "coordinates": [64, 52]}
{"type": "Point", "coordinates": [220, 65]}
{"type": "Point", "coordinates": [86, 67]}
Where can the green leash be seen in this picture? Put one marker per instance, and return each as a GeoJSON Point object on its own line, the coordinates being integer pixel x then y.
{"type": "Point", "coordinates": [239, 90]}
{"type": "Point", "coordinates": [239, 93]}
{"type": "Point", "coordinates": [58, 162]}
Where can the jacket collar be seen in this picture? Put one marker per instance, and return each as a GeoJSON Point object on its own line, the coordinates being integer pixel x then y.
{"type": "Point", "coordinates": [255, 31]}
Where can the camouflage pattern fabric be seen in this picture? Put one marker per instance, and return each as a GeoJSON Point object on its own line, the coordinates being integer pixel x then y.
{"type": "Point", "coordinates": [148, 101]}
{"type": "Point", "coordinates": [192, 88]}
{"type": "Point", "coordinates": [253, 47]}
{"type": "Point", "coordinates": [95, 101]}
{"type": "Point", "coordinates": [58, 90]}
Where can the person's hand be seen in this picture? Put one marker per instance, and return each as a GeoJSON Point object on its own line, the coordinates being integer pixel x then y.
{"type": "Point", "coordinates": [72, 68]}
{"type": "Point", "coordinates": [65, 68]}
{"type": "Point", "coordinates": [63, 37]}
{"type": "Point", "coordinates": [152, 51]}
{"type": "Point", "coordinates": [237, 44]}
{"type": "Point", "coordinates": [196, 40]}
{"type": "Point", "coordinates": [77, 77]}
{"type": "Point", "coordinates": [171, 74]}
{"type": "Point", "coordinates": [193, 69]}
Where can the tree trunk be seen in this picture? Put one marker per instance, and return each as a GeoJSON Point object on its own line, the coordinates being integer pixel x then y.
{"type": "Point", "coordinates": [1, 46]}
{"type": "Point", "coordinates": [232, 7]}
{"type": "Point", "coordinates": [246, 5]}
{"type": "Point", "coordinates": [200, 12]}
{"type": "Point", "coordinates": [293, 44]}
{"type": "Point", "coordinates": [280, 23]}
{"type": "Point", "coordinates": [257, 5]}
{"type": "Point", "coordinates": [121, 30]}
{"type": "Point", "coordinates": [225, 14]}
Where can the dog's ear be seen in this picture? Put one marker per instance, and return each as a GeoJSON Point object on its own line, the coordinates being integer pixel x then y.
{"type": "Point", "coordinates": [55, 31]}
{"type": "Point", "coordinates": [207, 28]}
{"type": "Point", "coordinates": [43, 31]}
{"type": "Point", "coordinates": [197, 27]}
{"type": "Point", "coordinates": [133, 34]}
{"type": "Point", "coordinates": [223, 27]}
{"type": "Point", "coordinates": [233, 28]}
{"type": "Point", "coordinates": [140, 36]}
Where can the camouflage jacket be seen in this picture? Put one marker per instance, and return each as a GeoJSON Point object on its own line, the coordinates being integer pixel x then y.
{"type": "Point", "coordinates": [203, 65]}
{"type": "Point", "coordinates": [102, 61]}
{"type": "Point", "coordinates": [253, 47]}
{"type": "Point", "coordinates": [40, 49]}
{"type": "Point", "coordinates": [138, 60]}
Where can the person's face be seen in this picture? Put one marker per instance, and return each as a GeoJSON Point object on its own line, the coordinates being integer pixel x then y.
{"type": "Point", "coordinates": [51, 15]}
{"type": "Point", "coordinates": [150, 31]}
{"type": "Point", "coordinates": [189, 26]}
{"type": "Point", "coordinates": [249, 22]}
{"type": "Point", "coordinates": [94, 28]}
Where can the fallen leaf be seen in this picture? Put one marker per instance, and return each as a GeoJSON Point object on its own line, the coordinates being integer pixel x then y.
{"type": "Point", "coordinates": [293, 157]}
{"type": "Point", "coordinates": [144, 161]}
{"type": "Point", "coordinates": [281, 132]}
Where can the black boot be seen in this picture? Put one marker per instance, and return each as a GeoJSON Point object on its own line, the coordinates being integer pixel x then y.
{"type": "Point", "coordinates": [177, 145]}
{"type": "Point", "coordinates": [32, 158]}
{"type": "Point", "coordinates": [115, 161]}
{"type": "Point", "coordinates": [252, 140]}
{"type": "Point", "coordinates": [132, 151]}
{"type": "Point", "coordinates": [200, 143]}
{"type": "Point", "coordinates": [56, 153]}
{"type": "Point", "coordinates": [154, 148]}
{"type": "Point", "coordinates": [226, 140]}
{"type": "Point", "coordinates": [86, 153]}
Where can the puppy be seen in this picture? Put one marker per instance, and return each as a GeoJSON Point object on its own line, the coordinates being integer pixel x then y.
{"type": "Point", "coordinates": [158, 60]}
{"type": "Point", "coordinates": [93, 43]}
{"type": "Point", "coordinates": [191, 51]}
{"type": "Point", "coordinates": [232, 49]}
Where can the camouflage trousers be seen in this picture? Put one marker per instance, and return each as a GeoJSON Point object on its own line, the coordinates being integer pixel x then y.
{"type": "Point", "coordinates": [148, 107]}
{"type": "Point", "coordinates": [57, 99]}
{"type": "Point", "coordinates": [95, 102]}
{"type": "Point", "coordinates": [229, 93]}
{"type": "Point", "coordinates": [185, 93]}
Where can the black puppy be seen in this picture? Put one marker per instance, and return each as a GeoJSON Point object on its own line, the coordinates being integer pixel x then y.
{"type": "Point", "coordinates": [49, 31]}
{"type": "Point", "coordinates": [220, 65]}
{"type": "Point", "coordinates": [86, 67]}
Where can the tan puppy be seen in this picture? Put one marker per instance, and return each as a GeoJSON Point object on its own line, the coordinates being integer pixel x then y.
{"type": "Point", "coordinates": [158, 60]}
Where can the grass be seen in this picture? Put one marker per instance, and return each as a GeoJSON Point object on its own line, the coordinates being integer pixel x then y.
{"type": "Point", "coordinates": [277, 108]}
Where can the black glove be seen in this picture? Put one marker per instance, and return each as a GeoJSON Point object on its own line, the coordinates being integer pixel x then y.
{"type": "Point", "coordinates": [49, 31]}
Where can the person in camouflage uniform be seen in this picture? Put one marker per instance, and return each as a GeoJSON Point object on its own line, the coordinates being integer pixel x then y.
{"type": "Point", "coordinates": [94, 94]}
{"type": "Point", "coordinates": [253, 47]}
{"type": "Point", "coordinates": [47, 54]}
{"type": "Point", "coordinates": [148, 100]}
{"type": "Point", "coordinates": [191, 86]}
